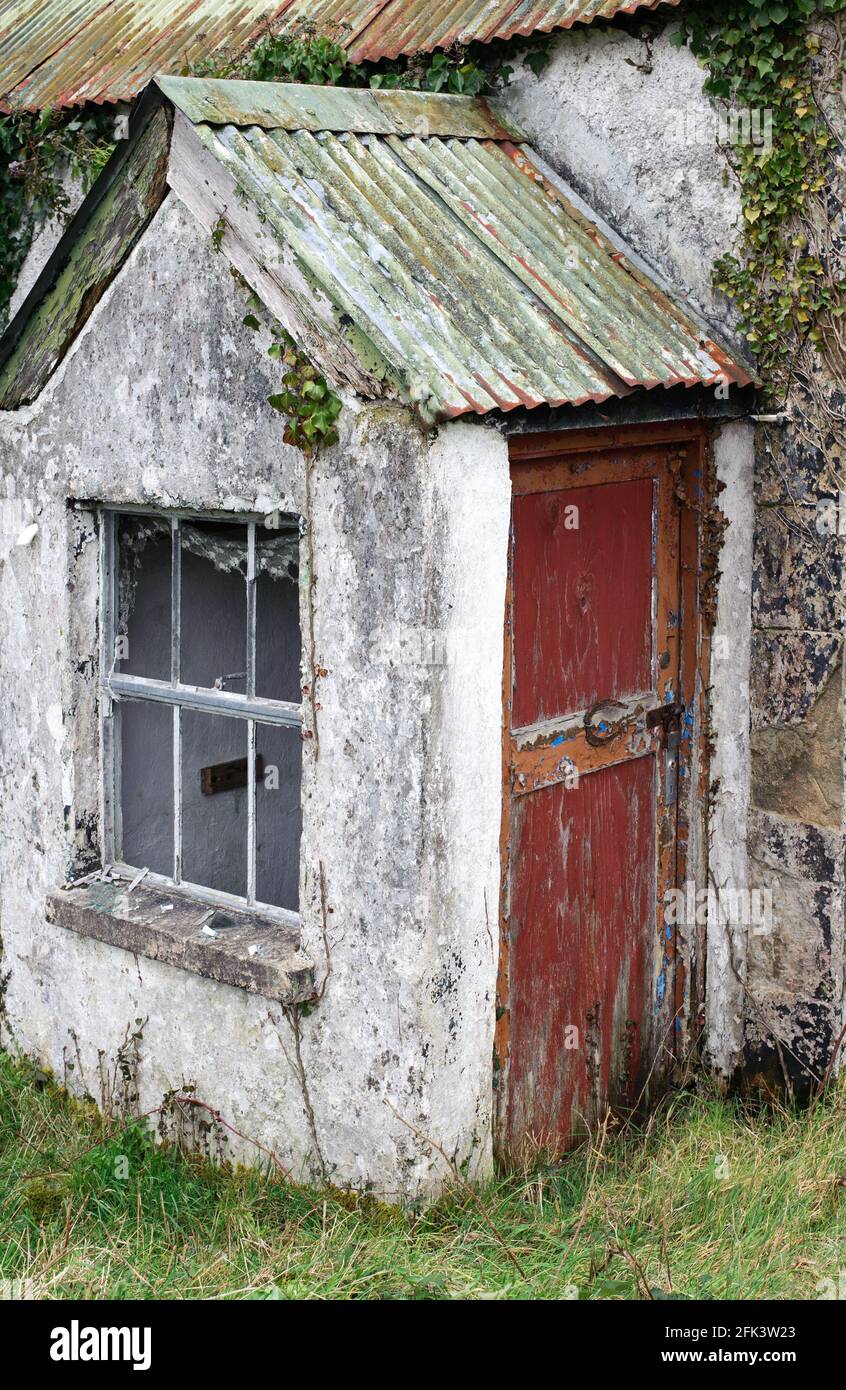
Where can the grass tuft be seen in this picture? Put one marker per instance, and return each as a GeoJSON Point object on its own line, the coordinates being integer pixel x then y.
{"type": "Point", "coordinates": [713, 1199]}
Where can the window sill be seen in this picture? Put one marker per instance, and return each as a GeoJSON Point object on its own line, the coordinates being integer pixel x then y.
{"type": "Point", "coordinates": [257, 955]}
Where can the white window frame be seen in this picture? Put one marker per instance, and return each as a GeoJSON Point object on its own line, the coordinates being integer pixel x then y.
{"type": "Point", "coordinates": [116, 687]}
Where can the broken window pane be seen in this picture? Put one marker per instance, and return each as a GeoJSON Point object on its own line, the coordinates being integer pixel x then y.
{"type": "Point", "coordinates": [278, 615]}
{"type": "Point", "coordinates": [146, 786]}
{"type": "Point", "coordinates": [142, 639]}
{"type": "Point", "coordinates": [278, 816]}
{"type": "Point", "coordinates": [214, 820]}
{"type": "Point", "coordinates": [214, 605]}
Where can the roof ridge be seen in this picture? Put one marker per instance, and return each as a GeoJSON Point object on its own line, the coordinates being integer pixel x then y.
{"type": "Point", "coordinates": [354, 110]}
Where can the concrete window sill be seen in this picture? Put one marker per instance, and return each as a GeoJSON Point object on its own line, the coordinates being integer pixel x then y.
{"type": "Point", "coordinates": [260, 956]}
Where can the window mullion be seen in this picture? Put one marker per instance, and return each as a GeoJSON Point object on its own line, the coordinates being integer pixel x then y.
{"type": "Point", "coordinates": [177, 794]}
{"type": "Point", "coordinates": [251, 810]}
{"type": "Point", "coordinates": [175, 599]}
{"type": "Point", "coordinates": [251, 610]}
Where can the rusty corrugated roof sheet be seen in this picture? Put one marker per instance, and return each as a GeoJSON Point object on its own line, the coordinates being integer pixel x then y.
{"type": "Point", "coordinates": [462, 274]}
{"type": "Point", "coordinates": [65, 52]}
{"type": "Point", "coordinates": [418, 26]}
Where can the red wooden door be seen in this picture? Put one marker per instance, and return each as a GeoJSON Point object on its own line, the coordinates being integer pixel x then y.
{"type": "Point", "coordinates": [595, 712]}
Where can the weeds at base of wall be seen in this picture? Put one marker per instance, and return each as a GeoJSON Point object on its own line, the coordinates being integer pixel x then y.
{"type": "Point", "coordinates": [714, 1199]}
{"type": "Point", "coordinates": [119, 1083]}
{"type": "Point", "coordinates": [293, 1014]}
{"type": "Point", "coordinates": [194, 1130]}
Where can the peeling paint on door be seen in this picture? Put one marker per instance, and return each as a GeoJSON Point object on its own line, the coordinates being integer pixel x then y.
{"type": "Point", "coordinates": [595, 693]}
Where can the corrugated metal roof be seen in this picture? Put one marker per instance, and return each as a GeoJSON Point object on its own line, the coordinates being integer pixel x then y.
{"type": "Point", "coordinates": [418, 26]}
{"type": "Point", "coordinates": [65, 52]}
{"type": "Point", "coordinates": [470, 277]}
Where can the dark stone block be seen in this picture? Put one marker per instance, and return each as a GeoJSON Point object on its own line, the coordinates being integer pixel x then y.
{"type": "Point", "coordinates": [789, 673]}
{"type": "Point", "coordinates": [797, 571]}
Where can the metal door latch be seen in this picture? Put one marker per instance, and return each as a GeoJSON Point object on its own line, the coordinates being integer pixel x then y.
{"type": "Point", "coordinates": [669, 718]}
{"type": "Point", "coordinates": [605, 730]}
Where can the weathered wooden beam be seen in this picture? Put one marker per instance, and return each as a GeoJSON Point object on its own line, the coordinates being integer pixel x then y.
{"type": "Point", "coordinates": [88, 257]}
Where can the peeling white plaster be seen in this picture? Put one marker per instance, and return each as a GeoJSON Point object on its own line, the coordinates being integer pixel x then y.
{"type": "Point", "coordinates": [635, 138]}
{"type": "Point", "coordinates": [734, 457]}
{"type": "Point", "coordinates": [53, 720]}
{"type": "Point", "coordinates": [403, 804]}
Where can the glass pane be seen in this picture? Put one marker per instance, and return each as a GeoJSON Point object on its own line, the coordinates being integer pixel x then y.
{"type": "Point", "coordinates": [142, 640]}
{"type": "Point", "coordinates": [278, 645]}
{"type": "Point", "coordinates": [146, 785]}
{"type": "Point", "coordinates": [214, 820]}
{"type": "Point", "coordinates": [278, 816]}
{"type": "Point", "coordinates": [214, 605]}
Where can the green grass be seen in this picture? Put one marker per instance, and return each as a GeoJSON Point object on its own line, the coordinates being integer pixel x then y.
{"type": "Point", "coordinates": [713, 1200]}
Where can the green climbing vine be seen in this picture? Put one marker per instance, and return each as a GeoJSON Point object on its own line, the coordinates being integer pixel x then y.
{"type": "Point", "coordinates": [36, 150]}
{"type": "Point", "coordinates": [307, 401]}
{"type": "Point", "coordinates": [777, 59]}
{"type": "Point", "coordinates": [310, 406]}
{"type": "Point", "coordinates": [304, 54]}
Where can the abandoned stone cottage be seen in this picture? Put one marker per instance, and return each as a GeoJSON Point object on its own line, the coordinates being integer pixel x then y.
{"type": "Point", "coordinates": [350, 788]}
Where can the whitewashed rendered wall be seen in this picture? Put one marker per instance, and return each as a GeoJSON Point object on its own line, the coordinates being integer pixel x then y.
{"type": "Point", "coordinates": [162, 402]}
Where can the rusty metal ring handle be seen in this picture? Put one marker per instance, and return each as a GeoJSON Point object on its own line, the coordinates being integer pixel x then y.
{"type": "Point", "coordinates": [596, 740]}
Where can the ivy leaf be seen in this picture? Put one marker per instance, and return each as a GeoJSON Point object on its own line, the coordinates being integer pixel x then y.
{"type": "Point", "coordinates": [538, 60]}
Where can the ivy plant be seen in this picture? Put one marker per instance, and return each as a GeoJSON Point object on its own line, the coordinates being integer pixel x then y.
{"type": "Point", "coordinates": [306, 55]}
{"type": "Point", "coordinates": [760, 55]}
{"type": "Point", "coordinates": [302, 56]}
{"type": "Point", "coordinates": [306, 400]}
{"type": "Point", "coordinates": [36, 149]}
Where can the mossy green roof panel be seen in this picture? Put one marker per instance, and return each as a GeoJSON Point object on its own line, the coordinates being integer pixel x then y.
{"type": "Point", "coordinates": [342, 110]}
{"type": "Point", "coordinates": [65, 52]}
{"type": "Point", "coordinates": [476, 282]}
{"type": "Point", "coordinates": [414, 242]}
